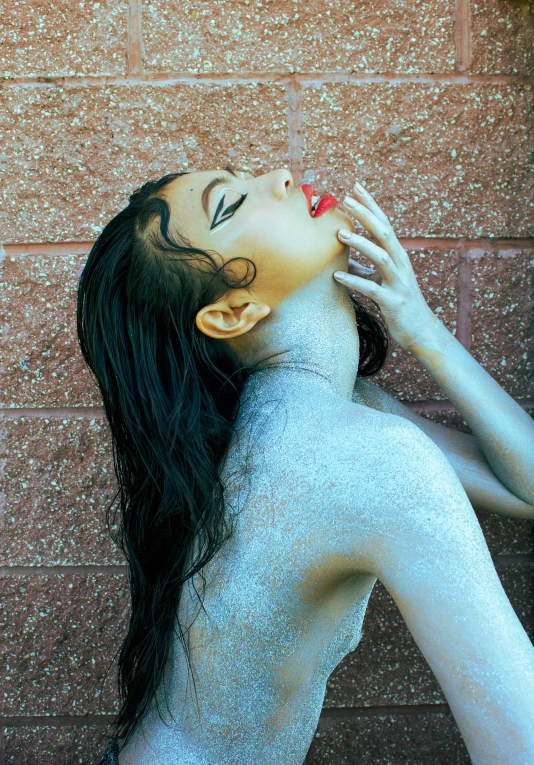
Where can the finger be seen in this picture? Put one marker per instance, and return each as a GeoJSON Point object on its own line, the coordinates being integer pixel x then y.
{"type": "Point", "coordinates": [363, 271]}
{"type": "Point", "coordinates": [365, 198]}
{"type": "Point", "coordinates": [379, 257]}
{"type": "Point", "coordinates": [360, 269]}
{"type": "Point", "coordinates": [365, 286]}
{"type": "Point", "coordinates": [381, 231]}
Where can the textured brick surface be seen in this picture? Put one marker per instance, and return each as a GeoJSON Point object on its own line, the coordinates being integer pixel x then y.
{"type": "Point", "coordinates": [388, 668]}
{"type": "Point", "coordinates": [59, 634]}
{"type": "Point", "coordinates": [73, 155]}
{"type": "Point", "coordinates": [507, 536]}
{"type": "Point", "coordinates": [57, 481]}
{"type": "Point", "coordinates": [437, 274]}
{"type": "Point", "coordinates": [502, 36]}
{"type": "Point", "coordinates": [51, 745]}
{"type": "Point", "coordinates": [449, 419]}
{"type": "Point", "coordinates": [41, 362]}
{"type": "Point", "coordinates": [440, 159]}
{"type": "Point", "coordinates": [502, 324]}
{"type": "Point", "coordinates": [62, 38]}
{"type": "Point", "coordinates": [316, 36]}
{"type": "Point", "coordinates": [419, 739]}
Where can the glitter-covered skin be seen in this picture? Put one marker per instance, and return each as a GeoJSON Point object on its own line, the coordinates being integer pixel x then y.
{"type": "Point", "coordinates": [327, 496]}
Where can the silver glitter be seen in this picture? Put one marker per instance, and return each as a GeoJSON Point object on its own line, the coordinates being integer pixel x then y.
{"type": "Point", "coordinates": [319, 487]}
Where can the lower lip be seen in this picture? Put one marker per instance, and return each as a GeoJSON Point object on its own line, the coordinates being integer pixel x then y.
{"type": "Point", "coordinates": [325, 204]}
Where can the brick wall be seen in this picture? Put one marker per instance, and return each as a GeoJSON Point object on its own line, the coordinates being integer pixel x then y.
{"type": "Point", "coordinates": [427, 103]}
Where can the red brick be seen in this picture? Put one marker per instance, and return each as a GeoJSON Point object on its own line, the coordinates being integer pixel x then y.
{"type": "Point", "coordinates": [317, 36]}
{"type": "Point", "coordinates": [440, 159]}
{"type": "Point", "coordinates": [59, 634]}
{"type": "Point", "coordinates": [387, 668]}
{"type": "Point", "coordinates": [57, 482]}
{"type": "Point", "coordinates": [437, 274]}
{"type": "Point", "coordinates": [501, 326]}
{"type": "Point", "coordinates": [426, 738]}
{"type": "Point", "coordinates": [74, 154]}
{"type": "Point", "coordinates": [502, 37]}
{"type": "Point", "coordinates": [42, 364]}
{"type": "Point", "coordinates": [52, 745]}
{"type": "Point", "coordinates": [62, 38]}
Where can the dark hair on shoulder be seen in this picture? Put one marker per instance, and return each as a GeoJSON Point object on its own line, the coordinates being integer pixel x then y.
{"type": "Point", "coordinates": [170, 395]}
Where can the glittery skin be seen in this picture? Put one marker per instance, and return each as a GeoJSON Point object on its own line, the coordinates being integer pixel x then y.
{"type": "Point", "coordinates": [327, 495]}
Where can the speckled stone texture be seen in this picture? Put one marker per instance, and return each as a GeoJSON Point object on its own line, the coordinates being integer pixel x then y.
{"type": "Point", "coordinates": [59, 635]}
{"type": "Point", "coordinates": [72, 155]}
{"type": "Point", "coordinates": [396, 739]}
{"type": "Point", "coordinates": [57, 481]}
{"type": "Point", "coordinates": [502, 318]}
{"type": "Point", "coordinates": [387, 667]}
{"type": "Point", "coordinates": [62, 38]}
{"type": "Point", "coordinates": [437, 275]}
{"type": "Point", "coordinates": [316, 36]}
{"type": "Point", "coordinates": [502, 36]}
{"type": "Point", "coordinates": [41, 362]}
{"type": "Point", "coordinates": [440, 159]}
{"type": "Point", "coordinates": [51, 745]}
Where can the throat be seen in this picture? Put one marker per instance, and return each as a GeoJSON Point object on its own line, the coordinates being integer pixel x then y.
{"type": "Point", "coordinates": [313, 332]}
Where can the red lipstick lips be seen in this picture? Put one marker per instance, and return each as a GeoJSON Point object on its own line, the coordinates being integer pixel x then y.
{"type": "Point", "coordinates": [323, 205]}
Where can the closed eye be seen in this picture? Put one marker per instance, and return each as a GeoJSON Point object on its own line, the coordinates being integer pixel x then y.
{"type": "Point", "coordinates": [222, 213]}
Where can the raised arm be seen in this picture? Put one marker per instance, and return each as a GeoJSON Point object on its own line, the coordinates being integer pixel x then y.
{"type": "Point", "coordinates": [504, 431]}
{"type": "Point", "coordinates": [409, 522]}
{"type": "Point", "coordinates": [485, 491]}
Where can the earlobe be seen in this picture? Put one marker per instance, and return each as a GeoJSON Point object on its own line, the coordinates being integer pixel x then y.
{"type": "Point", "coordinates": [223, 322]}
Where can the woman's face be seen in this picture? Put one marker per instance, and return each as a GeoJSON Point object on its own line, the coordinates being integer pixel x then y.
{"type": "Point", "coordinates": [271, 226]}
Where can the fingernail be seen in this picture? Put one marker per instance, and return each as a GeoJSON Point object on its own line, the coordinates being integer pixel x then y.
{"type": "Point", "coordinates": [344, 234]}
{"type": "Point", "coordinates": [339, 275]}
{"type": "Point", "coordinates": [350, 202]}
{"type": "Point", "coordinates": [359, 187]}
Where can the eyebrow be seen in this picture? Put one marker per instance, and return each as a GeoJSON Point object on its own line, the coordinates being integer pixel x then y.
{"type": "Point", "coordinates": [211, 185]}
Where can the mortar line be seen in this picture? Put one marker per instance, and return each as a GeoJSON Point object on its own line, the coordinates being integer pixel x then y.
{"type": "Point", "coordinates": [465, 303]}
{"type": "Point", "coordinates": [331, 714]}
{"type": "Point", "coordinates": [135, 38]}
{"type": "Point", "coordinates": [52, 413]}
{"type": "Point", "coordinates": [294, 124]}
{"type": "Point", "coordinates": [73, 721]}
{"type": "Point", "coordinates": [446, 406]}
{"type": "Point", "coordinates": [462, 35]}
{"type": "Point", "coordinates": [140, 78]}
{"type": "Point", "coordinates": [14, 413]}
{"type": "Point", "coordinates": [410, 243]}
{"type": "Point", "coordinates": [512, 558]}
{"type": "Point", "coordinates": [84, 568]}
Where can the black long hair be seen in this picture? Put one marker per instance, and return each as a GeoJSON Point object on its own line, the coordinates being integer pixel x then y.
{"type": "Point", "coordinates": [170, 395]}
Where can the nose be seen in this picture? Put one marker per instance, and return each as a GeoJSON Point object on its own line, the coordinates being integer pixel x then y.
{"type": "Point", "coordinates": [281, 182]}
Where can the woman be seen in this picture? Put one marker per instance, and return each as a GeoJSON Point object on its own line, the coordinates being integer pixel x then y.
{"type": "Point", "coordinates": [264, 488]}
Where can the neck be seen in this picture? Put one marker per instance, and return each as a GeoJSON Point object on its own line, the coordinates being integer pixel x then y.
{"type": "Point", "coordinates": [310, 336]}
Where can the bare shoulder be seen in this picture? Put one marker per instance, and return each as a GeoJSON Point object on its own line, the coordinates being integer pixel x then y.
{"type": "Point", "coordinates": [375, 484]}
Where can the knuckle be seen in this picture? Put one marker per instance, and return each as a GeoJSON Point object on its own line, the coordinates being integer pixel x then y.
{"type": "Point", "coordinates": [382, 259]}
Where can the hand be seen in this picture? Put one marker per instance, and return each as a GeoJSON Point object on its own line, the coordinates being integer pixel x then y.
{"type": "Point", "coordinates": [409, 320]}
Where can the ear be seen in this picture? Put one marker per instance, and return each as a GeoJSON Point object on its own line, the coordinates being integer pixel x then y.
{"type": "Point", "coordinates": [225, 320]}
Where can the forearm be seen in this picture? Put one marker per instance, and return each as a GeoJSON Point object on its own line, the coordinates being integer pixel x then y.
{"type": "Point", "coordinates": [484, 489]}
{"type": "Point", "coordinates": [504, 431]}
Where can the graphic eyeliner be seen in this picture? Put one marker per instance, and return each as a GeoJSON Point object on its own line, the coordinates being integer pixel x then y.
{"type": "Point", "coordinates": [228, 212]}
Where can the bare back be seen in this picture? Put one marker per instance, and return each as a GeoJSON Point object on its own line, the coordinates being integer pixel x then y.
{"type": "Point", "coordinates": [327, 496]}
{"type": "Point", "coordinates": [282, 609]}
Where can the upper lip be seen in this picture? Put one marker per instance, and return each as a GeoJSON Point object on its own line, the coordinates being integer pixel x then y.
{"type": "Point", "coordinates": [308, 192]}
